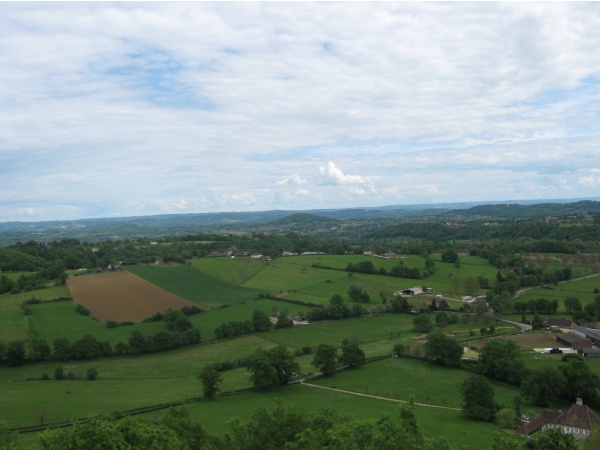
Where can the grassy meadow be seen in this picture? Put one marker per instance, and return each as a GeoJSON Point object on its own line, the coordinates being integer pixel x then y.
{"type": "Point", "coordinates": [229, 288]}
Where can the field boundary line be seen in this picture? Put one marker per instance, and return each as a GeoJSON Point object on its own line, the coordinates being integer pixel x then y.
{"type": "Point", "coordinates": [395, 400]}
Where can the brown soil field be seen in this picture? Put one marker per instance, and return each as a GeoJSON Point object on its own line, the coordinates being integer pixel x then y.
{"type": "Point", "coordinates": [529, 341]}
{"type": "Point", "coordinates": [122, 296]}
{"type": "Point", "coordinates": [535, 340]}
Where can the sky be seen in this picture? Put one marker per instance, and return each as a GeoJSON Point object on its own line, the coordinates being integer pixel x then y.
{"type": "Point", "coordinates": [128, 109]}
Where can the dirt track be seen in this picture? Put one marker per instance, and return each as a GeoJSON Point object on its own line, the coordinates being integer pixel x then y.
{"type": "Point", "coordinates": [122, 296]}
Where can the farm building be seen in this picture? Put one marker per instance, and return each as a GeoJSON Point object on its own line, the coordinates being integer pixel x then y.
{"type": "Point", "coordinates": [591, 352]}
{"type": "Point", "coordinates": [588, 333]}
{"type": "Point", "coordinates": [410, 292]}
{"type": "Point", "coordinates": [577, 421]}
{"type": "Point", "coordinates": [574, 340]}
{"type": "Point", "coordinates": [560, 323]}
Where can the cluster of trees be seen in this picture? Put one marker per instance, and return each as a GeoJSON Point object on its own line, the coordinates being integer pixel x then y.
{"type": "Point", "coordinates": [336, 310]}
{"type": "Point", "coordinates": [326, 357]}
{"type": "Point", "coordinates": [501, 360]}
{"type": "Point", "coordinates": [571, 380]}
{"type": "Point", "coordinates": [544, 237]}
{"type": "Point", "coordinates": [271, 368]}
{"type": "Point", "coordinates": [260, 322]}
{"type": "Point", "coordinates": [356, 294]}
{"type": "Point", "coordinates": [18, 352]}
{"type": "Point", "coordinates": [539, 305]}
{"type": "Point", "coordinates": [396, 271]}
{"type": "Point", "coordinates": [161, 340]}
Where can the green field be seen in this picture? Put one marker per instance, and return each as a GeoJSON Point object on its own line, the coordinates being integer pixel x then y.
{"type": "Point", "coordinates": [230, 287]}
{"type": "Point", "coordinates": [194, 285]}
{"type": "Point", "coordinates": [582, 289]}
{"type": "Point", "coordinates": [13, 323]}
{"type": "Point", "coordinates": [434, 421]}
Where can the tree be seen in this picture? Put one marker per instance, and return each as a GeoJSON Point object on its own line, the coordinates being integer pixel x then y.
{"type": "Point", "coordinates": [262, 371]}
{"type": "Point", "coordinates": [501, 359]}
{"type": "Point", "coordinates": [449, 256]}
{"type": "Point", "coordinates": [283, 320]}
{"type": "Point", "coordinates": [260, 321]}
{"type": "Point", "coordinates": [91, 374]}
{"type": "Point", "coordinates": [59, 373]}
{"type": "Point", "coordinates": [15, 353]}
{"type": "Point", "coordinates": [356, 294]}
{"type": "Point", "coordinates": [137, 343]}
{"type": "Point", "coordinates": [581, 382]}
{"type": "Point", "coordinates": [352, 355]}
{"type": "Point", "coordinates": [470, 285]}
{"type": "Point", "coordinates": [8, 439]}
{"type": "Point", "coordinates": [176, 321]}
{"type": "Point", "coordinates": [478, 399]}
{"type": "Point", "coordinates": [210, 379]}
{"type": "Point", "coordinates": [572, 304]}
{"type": "Point", "coordinates": [325, 359]}
{"type": "Point", "coordinates": [537, 322]}
{"type": "Point", "coordinates": [62, 349]}
{"type": "Point", "coordinates": [422, 324]}
{"type": "Point", "coordinates": [273, 367]}
{"type": "Point", "coordinates": [37, 349]}
{"type": "Point", "coordinates": [542, 386]}
{"type": "Point", "coordinates": [443, 350]}
{"type": "Point", "coordinates": [506, 418]}
{"type": "Point", "coordinates": [552, 438]}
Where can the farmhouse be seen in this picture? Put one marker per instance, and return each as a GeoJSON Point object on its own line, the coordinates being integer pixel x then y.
{"type": "Point", "coordinates": [574, 340]}
{"type": "Point", "coordinates": [577, 421]}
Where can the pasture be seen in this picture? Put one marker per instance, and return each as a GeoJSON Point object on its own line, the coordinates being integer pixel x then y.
{"type": "Point", "coordinates": [13, 323]}
{"type": "Point", "coordinates": [583, 289]}
{"type": "Point", "coordinates": [436, 422]}
{"type": "Point", "coordinates": [229, 287]}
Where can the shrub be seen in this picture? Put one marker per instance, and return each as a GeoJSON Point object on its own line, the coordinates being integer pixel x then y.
{"type": "Point", "coordinates": [82, 310]}
{"type": "Point", "coordinates": [91, 374]}
{"type": "Point", "coordinates": [59, 373]}
{"type": "Point", "coordinates": [111, 324]}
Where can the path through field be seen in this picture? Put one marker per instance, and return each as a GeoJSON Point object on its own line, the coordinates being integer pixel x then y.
{"type": "Point", "coordinates": [377, 397]}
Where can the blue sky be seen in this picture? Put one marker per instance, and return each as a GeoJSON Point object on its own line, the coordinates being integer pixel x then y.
{"type": "Point", "coordinates": [121, 109]}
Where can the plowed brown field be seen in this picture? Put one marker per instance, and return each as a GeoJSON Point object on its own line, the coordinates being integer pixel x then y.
{"type": "Point", "coordinates": [122, 296]}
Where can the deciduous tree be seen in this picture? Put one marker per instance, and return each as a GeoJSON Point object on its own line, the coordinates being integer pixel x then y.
{"type": "Point", "coordinates": [210, 379]}
{"type": "Point", "coordinates": [325, 359]}
{"type": "Point", "coordinates": [478, 399]}
{"type": "Point", "coordinates": [443, 350]}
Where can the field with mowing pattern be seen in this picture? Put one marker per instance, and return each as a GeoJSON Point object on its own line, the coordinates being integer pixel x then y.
{"type": "Point", "coordinates": [195, 285]}
{"type": "Point", "coordinates": [122, 296]}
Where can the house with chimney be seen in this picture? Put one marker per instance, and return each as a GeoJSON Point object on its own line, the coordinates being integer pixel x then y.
{"type": "Point", "coordinates": [577, 421]}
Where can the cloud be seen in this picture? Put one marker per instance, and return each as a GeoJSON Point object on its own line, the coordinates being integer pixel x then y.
{"type": "Point", "coordinates": [331, 175]}
{"type": "Point", "coordinates": [592, 179]}
{"type": "Point", "coordinates": [120, 108]}
{"type": "Point", "coordinates": [292, 180]}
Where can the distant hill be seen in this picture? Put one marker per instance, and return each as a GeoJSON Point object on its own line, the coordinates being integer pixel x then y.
{"type": "Point", "coordinates": [302, 219]}
{"type": "Point", "coordinates": [175, 224]}
{"type": "Point", "coordinates": [514, 211]}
